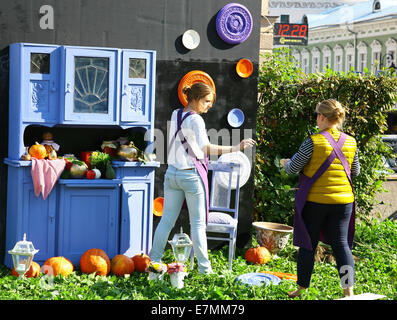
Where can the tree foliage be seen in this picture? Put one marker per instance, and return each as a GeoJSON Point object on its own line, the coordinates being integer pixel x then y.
{"type": "Point", "coordinates": [286, 101]}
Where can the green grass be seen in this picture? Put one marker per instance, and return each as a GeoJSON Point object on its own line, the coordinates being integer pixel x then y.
{"type": "Point", "coordinates": [376, 272]}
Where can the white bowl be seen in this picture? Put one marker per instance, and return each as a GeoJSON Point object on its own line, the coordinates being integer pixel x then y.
{"type": "Point", "coordinates": [191, 39]}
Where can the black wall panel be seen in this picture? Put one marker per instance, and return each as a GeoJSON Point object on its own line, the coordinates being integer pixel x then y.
{"type": "Point", "coordinates": [144, 24]}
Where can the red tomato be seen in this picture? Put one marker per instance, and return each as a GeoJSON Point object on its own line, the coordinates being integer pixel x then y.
{"type": "Point", "coordinates": [68, 164]}
{"type": "Point", "coordinates": [90, 174]}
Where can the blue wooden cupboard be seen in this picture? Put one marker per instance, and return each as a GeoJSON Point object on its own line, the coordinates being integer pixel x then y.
{"type": "Point", "coordinates": [91, 89]}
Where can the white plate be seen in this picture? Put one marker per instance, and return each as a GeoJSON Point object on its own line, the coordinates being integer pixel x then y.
{"type": "Point", "coordinates": [245, 169]}
{"type": "Point", "coordinates": [191, 39]}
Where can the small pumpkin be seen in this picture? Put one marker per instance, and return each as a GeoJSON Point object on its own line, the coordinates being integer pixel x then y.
{"type": "Point", "coordinates": [58, 265]}
{"type": "Point", "coordinates": [95, 261]}
{"type": "Point", "coordinates": [121, 265]}
{"type": "Point", "coordinates": [38, 151]}
{"type": "Point", "coordinates": [141, 262]}
{"type": "Point", "coordinates": [258, 255]}
{"type": "Point", "coordinates": [33, 272]}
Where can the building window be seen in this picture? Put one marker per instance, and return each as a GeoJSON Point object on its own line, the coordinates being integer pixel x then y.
{"type": "Point", "coordinates": [390, 58]}
{"type": "Point", "coordinates": [326, 57]}
{"type": "Point", "coordinates": [305, 61]}
{"type": "Point", "coordinates": [315, 60]}
{"type": "Point", "coordinates": [327, 62]}
{"type": "Point", "coordinates": [362, 62]}
{"type": "Point", "coordinates": [338, 53]}
{"type": "Point", "coordinates": [305, 65]}
{"type": "Point", "coordinates": [376, 63]}
{"type": "Point", "coordinates": [391, 49]}
{"type": "Point", "coordinates": [362, 56]}
{"type": "Point", "coordinates": [349, 63]}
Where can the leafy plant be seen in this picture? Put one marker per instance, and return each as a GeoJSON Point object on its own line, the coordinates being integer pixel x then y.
{"type": "Point", "coordinates": [100, 161]}
{"type": "Point", "coordinates": [287, 98]}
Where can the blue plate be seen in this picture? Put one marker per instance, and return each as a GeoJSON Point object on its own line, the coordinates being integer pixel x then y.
{"type": "Point", "coordinates": [258, 279]}
{"type": "Point", "coordinates": [235, 117]}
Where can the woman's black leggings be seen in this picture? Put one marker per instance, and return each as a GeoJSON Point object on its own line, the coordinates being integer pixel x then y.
{"type": "Point", "coordinates": [334, 220]}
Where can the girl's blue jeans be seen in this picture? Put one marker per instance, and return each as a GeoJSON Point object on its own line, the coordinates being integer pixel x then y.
{"type": "Point", "coordinates": [178, 186]}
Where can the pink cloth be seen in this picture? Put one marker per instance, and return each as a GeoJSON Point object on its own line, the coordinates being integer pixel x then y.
{"type": "Point", "coordinates": [45, 173]}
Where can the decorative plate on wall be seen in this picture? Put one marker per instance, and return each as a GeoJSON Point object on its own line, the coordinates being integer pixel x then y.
{"type": "Point", "coordinates": [234, 23]}
{"type": "Point", "coordinates": [158, 205]}
{"type": "Point", "coordinates": [244, 68]}
{"type": "Point", "coordinates": [191, 78]}
{"type": "Point", "coordinates": [235, 117]}
{"type": "Point", "coordinates": [191, 39]}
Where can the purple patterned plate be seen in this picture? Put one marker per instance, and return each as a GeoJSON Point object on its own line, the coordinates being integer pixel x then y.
{"type": "Point", "coordinates": [234, 23]}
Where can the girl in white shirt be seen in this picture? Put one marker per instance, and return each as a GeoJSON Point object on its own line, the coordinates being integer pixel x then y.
{"type": "Point", "coordinates": [185, 177]}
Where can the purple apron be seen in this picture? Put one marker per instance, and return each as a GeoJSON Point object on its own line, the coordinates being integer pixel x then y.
{"type": "Point", "coordinates": [301, 237]}
{"type": "Point", "coordinates": [201, 165]}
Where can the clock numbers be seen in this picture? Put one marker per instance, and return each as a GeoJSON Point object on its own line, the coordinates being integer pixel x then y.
{"type": "Point", "coordinates": [303, 30]}
{"type": "Point", "coordinates": [292, 30]}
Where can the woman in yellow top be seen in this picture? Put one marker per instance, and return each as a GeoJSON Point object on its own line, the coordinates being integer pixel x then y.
{"type": "Point", "coordinates": [324, 201]}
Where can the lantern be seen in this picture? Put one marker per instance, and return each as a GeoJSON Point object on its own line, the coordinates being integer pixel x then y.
{"type": "Point", "coordinates": [22, 256]}
{"type": "Point", "coordinates": [181, 246]}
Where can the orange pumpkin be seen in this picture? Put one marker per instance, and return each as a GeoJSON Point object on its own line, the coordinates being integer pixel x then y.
{"type": "Point", "coordinates": [58, 265]}
{"type": "Point", "coordinates": [121, 265]}
{"type": "Point", "coordinates": [33, 272]}
{"type": "Point", "coordinates": [258, 255]}
{"type": "Point", "coordinates": [38, 151]}
{"type": "Point", "coordinates": [141, 262]}
{"type": "Point", "coordinates": [95, 260]}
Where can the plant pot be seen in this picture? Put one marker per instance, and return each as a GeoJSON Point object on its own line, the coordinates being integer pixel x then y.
{"type": "Point", "coordinates": [272, 236]}
{"type": "Point", "coordinates": [177, 279]}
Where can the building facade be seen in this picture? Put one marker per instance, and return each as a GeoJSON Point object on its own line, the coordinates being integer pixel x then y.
{"type": "Point", "coordinates": [296, 9]}
{"type": "Point", "coordinates": [355, 38]}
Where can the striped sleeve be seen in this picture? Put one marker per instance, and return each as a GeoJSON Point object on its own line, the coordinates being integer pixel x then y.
{"type": "Point", "coordinates": [355, 168]}
{"type": "Point", "coordinates": [301, 158]}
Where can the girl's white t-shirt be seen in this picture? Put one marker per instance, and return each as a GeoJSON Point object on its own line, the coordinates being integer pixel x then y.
{"type": "Point", "coordinates": [193, 128]}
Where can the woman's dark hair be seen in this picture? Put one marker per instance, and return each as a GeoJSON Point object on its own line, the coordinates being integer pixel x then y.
{"type": "Point", "coordinates": [198, 91]}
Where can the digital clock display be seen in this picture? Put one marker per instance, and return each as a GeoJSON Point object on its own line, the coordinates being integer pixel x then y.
{"type": "Point", "coordinates": [290, 34]}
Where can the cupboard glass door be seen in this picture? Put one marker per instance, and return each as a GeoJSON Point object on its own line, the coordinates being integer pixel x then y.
{"type": "Point", "coordinates": [40, 89]}
{"type": "Point", "coordinates": [90, 81]}
{"type": "Point", "coordinates": [137, 89]}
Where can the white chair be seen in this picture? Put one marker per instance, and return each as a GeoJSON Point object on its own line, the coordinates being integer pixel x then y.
{"type": "Point", "coordinates": [223, 215]}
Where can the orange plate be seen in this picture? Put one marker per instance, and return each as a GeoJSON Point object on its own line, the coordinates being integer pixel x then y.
{"type": "Point", "coordinates": [158, 204]}
{"type": "Point", "coordinates": [191, 78]}
{"type": "Point", "coordinates": [244, 68]}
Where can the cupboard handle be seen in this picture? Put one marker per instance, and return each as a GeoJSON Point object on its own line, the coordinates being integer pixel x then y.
{"type": "Point", "coordinates": [125, 90]}
{"type": "Point", "coordinates": [53, 87]}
